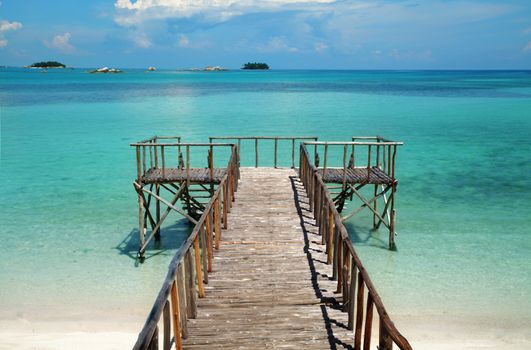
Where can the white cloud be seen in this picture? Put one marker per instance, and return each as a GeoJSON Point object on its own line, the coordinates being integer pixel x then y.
{"type": "Point", "coordinates": [319, 47]}
{"type": "Point", "coordinates": [276, 44]}
{"type": "Point", "coordinates": [6, 26]}
{"type": "Point", "coordinates": [527, 31]}
{"type": "Point", "coordinates": [61, 43]}
{"type": "Point", "coordinates": [131, 13]}
{"type": "Point", "coordinates": [527, 48]}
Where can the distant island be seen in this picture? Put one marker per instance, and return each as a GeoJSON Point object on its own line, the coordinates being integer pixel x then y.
{"type": "Point", "coordinates": [105, 70]}
{"type": "Point", "coordinates": [255, 65]}
{"type": "Point", "coordinates": [47, 64]}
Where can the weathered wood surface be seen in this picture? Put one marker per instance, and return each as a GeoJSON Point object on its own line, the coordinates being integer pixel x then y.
{"type": "Point", "coordinates": [197, 175]}
{"type": "Point", "coordinates": [356, 175]}
{"type": "Point", "coordinates": [270, 286]}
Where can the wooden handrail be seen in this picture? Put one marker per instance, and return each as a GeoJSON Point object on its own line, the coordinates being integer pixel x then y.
{"type": "Point", "coordinates": [181, 291]}
{"type": "Point", "coordinates": [157, 158]}
{"type": "Point", "coordinates": [354, 143]}
{"type": "Point", "coordinates": [273, 138]}
{"type": "Point", "coordinates": [344, 254]}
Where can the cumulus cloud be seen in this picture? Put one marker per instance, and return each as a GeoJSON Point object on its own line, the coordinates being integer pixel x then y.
{"type": "Point", "coordinates": [276, 44]}
{"type": "Point", "coordinates": [527, 48]}
{"type": "Point", "coordinates": [61, 43]}
{"type": "Point", "coordinates": [527, 31]}
{"type": "Point", "coordinates": [131, 13]}
{"type": "Point", "coordinates": [6, 26]}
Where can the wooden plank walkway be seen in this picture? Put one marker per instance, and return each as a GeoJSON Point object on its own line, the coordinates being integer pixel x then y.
{"type": "Point", "coordinates": [270, 287]}
{"type": "Point", "coordinates": [196, 175]}
{"type": "Point", "coordinates": [356, 176]}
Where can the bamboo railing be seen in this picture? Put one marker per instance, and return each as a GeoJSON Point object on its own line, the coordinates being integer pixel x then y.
{"type": "Point", "coordinates": [352, 278]}
{"type": "Point", "coordinates": [152, 155]}
{"type": "Point", "coordinates": [380, 153]}
{"type": "Point", "coordinates": [275, 139]}
{"type": "Point", "coordinates": [189, 268]}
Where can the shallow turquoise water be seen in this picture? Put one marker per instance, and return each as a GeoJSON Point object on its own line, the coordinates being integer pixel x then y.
{"type": "Point", "coordinates": [69, 211]}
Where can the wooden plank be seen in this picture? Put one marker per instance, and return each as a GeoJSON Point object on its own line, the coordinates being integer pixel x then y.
{"type": "Point", "coordinates": [249, 303]}
{"type": "Point", "coordinates": [176, 317]}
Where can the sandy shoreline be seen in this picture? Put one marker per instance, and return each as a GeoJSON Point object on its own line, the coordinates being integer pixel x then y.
{"type": "Point", "coordinates": [431, 333]}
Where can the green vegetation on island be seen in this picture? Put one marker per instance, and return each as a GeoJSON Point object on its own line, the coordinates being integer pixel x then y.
{"type": "Point", "coordinates": [255, 65]}
{"type": "Point", "coordinates": [47, 64]}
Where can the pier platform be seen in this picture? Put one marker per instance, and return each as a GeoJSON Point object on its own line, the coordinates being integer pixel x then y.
{"type": "Point", "coordinates": [374, 176]}
{"type": "Point", "coordinates": [269, 288]}
{"type": "Point", "coordinates": [195, 175]}
{"type": "Point", "coordinates": [269, 262]}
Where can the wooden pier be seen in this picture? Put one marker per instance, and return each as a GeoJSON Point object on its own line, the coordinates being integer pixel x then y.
{"type": "Point", "coordinates": [269, 263]}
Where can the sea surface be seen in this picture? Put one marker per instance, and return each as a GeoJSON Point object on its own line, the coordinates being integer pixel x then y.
{"type": "Point", "coordinates": [68, 227]}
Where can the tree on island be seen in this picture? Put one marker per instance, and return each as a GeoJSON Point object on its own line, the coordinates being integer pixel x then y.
{"type": "Point", "coordinates": [255, 65]}
{"type": "Point", "coordinates": [47, 64]}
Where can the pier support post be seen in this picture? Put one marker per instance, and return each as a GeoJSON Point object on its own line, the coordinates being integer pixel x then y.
{"type": "Point", "coordinates": [392, 244]}
{"type": "Point", "coordinates": [157, 212]}
{"type": "Point", "coordinates": [141, 224]}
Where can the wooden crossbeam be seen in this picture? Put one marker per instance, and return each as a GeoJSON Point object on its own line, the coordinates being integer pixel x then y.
{"type": "Point", "coordinates": [367, 204]}
{"type": "Point", "coordinates": [170, 206]}
{"type": "Point", "coordinates": [385, 211]}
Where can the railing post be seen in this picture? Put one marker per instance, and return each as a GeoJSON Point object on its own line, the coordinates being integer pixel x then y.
{"type": "Point", "coordinates": [182, 300]}
{"type": "Point", "coordinates": [154, 343]}
{"type": "Point", "coordinates": [198, 272]}
{"type": "Point", "coordinates": [339, 262]}
{"type": "Point", "coordinates": [369, 165]}
{"type": "Point", "coordinates": [335, 252]}
{"type": "Point", "coordinates": [352, 295]}
{"type": "Point", "coordinates": [191, 308]}
{"type": "Point", "coordinates": [163, 161]}
{"type": "Point", "coordinates": [344, 186]}
{"type": "Point", "coordinates": [325, 159]}
{"type": "Point", "coordinates": [225, 206]}
{"type": "Point", "coordinates": [368, 323]}
{"type": "Point", "coordinates": [385, 341]}
{"type": "Point", "coordinates": [166, 317]}
{"type": "Point", "coordinates": [217, 223]}
{"type": "Point", "coordinates": [141, 223]}
{"type": "Point", "coordinates": [276, 149]}
{"type": "Point", "coordinates": [359, 313]}
{"type": "Point", "coordinates": [293, 153]}
{"type": "Point", "coordinates": [256, 152]}
{"type": "Point", "coordinates": [138, 165]}
{"type": "Point", "coordinates": [330, 236]}
{"type": "Point", "coordinates": [204, 252]}
{"type": "Point", "coordinates": [175, 312]}
{"type": "Point", "coordinates": [209, 239]}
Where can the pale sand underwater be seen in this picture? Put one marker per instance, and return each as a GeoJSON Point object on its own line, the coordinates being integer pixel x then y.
{"type": "Point", "coordinates": [426, 334]}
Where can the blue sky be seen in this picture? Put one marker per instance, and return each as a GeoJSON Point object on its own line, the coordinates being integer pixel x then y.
{"type": "Point", "coordinates": [327, 34]}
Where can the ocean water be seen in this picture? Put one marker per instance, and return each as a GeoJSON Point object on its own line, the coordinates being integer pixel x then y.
{"type": "Point", "coordinates": [69, 212]}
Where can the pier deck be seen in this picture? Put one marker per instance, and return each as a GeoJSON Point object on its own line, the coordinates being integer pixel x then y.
{"type": "Point", "coordinates": [269, 279]}
{"type": "Point", "coordinates": [356, 176]}
{"type": "Point", "coordinates": [196, 175]}
{"type": "Point", "coordinates": [269, 262]}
